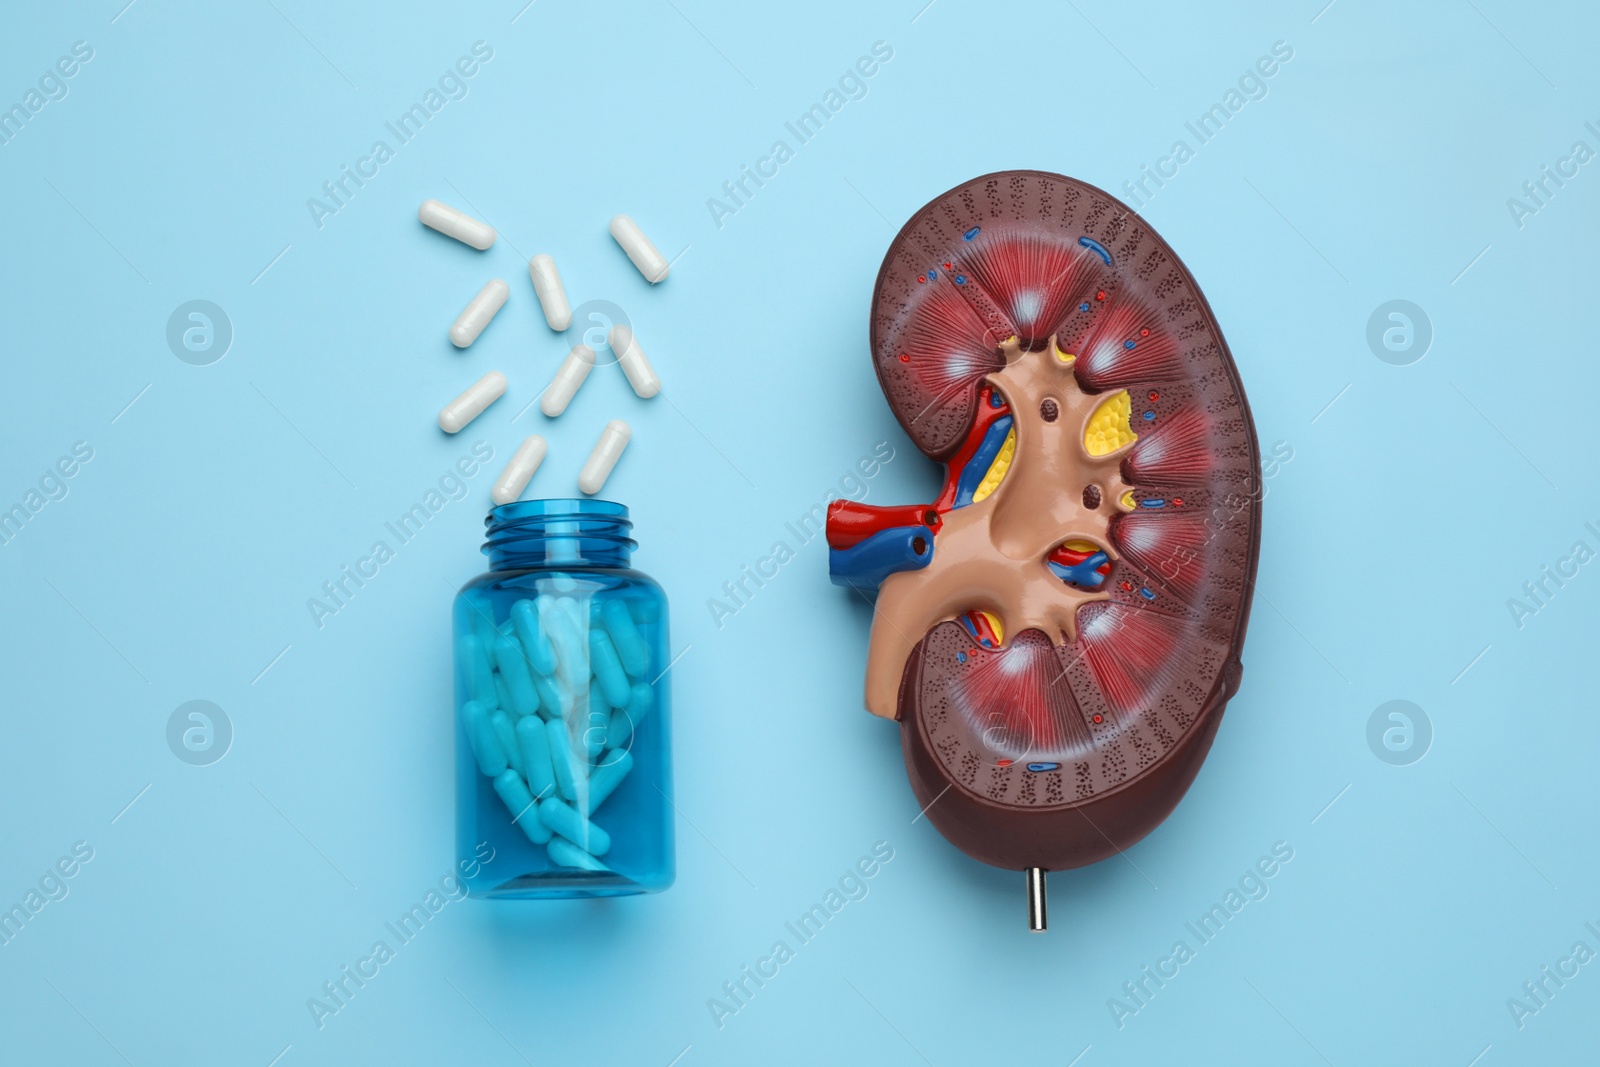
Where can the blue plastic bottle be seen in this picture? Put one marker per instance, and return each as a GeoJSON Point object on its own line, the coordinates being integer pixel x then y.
{"type": "Point", "coordinates": [561, 696]}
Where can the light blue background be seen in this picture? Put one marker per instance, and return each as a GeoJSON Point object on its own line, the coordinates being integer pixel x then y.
{"type": "Point", "coordinates": [179, 565]}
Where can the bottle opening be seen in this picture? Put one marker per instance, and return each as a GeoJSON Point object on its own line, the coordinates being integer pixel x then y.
{"type": "Point", "coordinates": [527, 533]}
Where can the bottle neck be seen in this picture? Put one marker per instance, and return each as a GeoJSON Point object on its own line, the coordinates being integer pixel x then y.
{"type": "Point", "coordinates": [558, 533]}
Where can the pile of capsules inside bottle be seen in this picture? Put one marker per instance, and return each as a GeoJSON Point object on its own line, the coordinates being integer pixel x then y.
{"type": "Point", "coordinates": [556, 698]}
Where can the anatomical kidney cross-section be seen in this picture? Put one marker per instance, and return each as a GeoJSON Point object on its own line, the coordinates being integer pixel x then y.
{"type": "Point", "coordinates": [1057, 634]}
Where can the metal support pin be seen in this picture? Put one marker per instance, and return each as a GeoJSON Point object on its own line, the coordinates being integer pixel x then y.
{"type": "Point", "coordinates": [1036, 915]}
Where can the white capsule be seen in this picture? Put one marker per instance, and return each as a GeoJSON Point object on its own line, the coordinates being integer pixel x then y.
{"type": "Point", "coordinates": [470, 404]}
{"type": "Point", "coordinates": [641, 375]}
{"type": "Point", "coordinates": [597, 468]}
{"type": "Point", "coordinates": [477, 314]}
{"type": "Point", "coordinates": [514, 479]}
{"type": "Point", "coordinates": [452, 223]}
{"type": "Point", "coordinates": [651, 263]}
{"type": "Point", "coordinates": [552, 297]}
{"type": "Point", "coordinates": [564, 386]}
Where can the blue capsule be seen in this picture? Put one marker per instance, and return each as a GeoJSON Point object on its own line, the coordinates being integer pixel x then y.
{"type": "Point", "coordinates": [1129, 345]}
{"type": "Point", "coordinates": [536, 766]}
{"type": "Point", "coordinates": [961, 279]}
{"type": "Point", "coordinates": [479, 675]}
{"type": "Point", "coordinates": [607, 667]}
{"type": "Point", "coordinates": [631, 647]}
{"type": "Point", "coordinates": [597, 727]}
{"type": "Point", "coordinates": [482, 615]}
{"type": "Point", "coordinates": [519, 692]}
{"type": "Point", "coordinates": [519, 802]}
{"type": "Point", "coordinates": [569, 770]}
{"type": "Point", "coordinates": [554, 701]}
{"type": "Point", "coordinates": [1153, 502]}
{"type": "Point", "coordinates": [625, 720]}
{"type": "Point", "coordinates": [564, 853]}
{"type": "Point", "coordinates": [1037, 767]}
{"type": "Point", "coordinates": [970, 234]}
{"type": "Point", "coordinates": [506, 734]}
{"type": "Point", "coordinates": [525, 619]}
{"type": "Point", "coordinates": [486, 746]}
{"type": "Point", "coordinates": [572, 651]}
{"type": "Point", "coordinates": [567, 821]}
{"type": "Point", "coordinates": [1149, 416]}
{"type": "Point", "coordinates": [607, 775]}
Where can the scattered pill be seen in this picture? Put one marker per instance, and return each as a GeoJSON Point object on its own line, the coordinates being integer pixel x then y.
{"type": "Point", "coordinates": [475, 665]}
{"type": "Point", "coordinates": [569, 376]}
{"type": "Point", "coordinates": [552, 296]}
{"type": "Point", "coordinates": [452, 223]}
{"type": "Point", "coordinates": [486, 747]}
{"type": "Point", "coordinates": [478, 313]}
{"type": "Point", "coordinates": [564, 853]}
{"type": "Point", "coordinates": [570, 824]}
{"type": "Point", "coordinates": [525, 618]}
{"type": "Point", "coordinates": [513, 663]}
{"type": "Point", "coordinates": [641, 375]}
{"type": "Point", "coordinates": [519, 471]}
{"type": "Point", "coordinates": [613, 768]}
{"type": "Point", "coordinates": [571, 778]}
{"type": "Point", "coordinates": [470, 404]}
{"type": "Point", "coordinates": [597, 468]}
{"type": "Point", "coordinates": [536, 763]}
{"type": "Point", "coordinates": [519, 802]}
{"type": "Point", "coordinates": [607, 667]}
{"type": "Point", "coordinates": [651, 263]}
{"type": "Point", "coordinates": [631, 648]}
